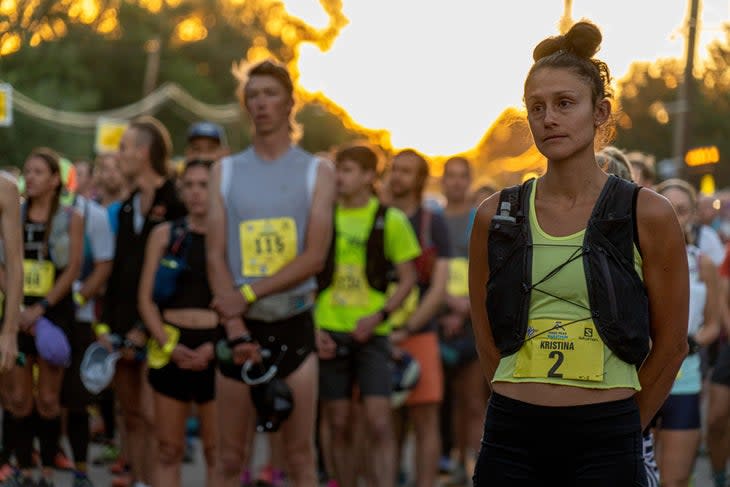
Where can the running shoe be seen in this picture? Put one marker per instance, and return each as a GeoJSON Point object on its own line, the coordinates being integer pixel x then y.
{"type": "Point", "coordinates": [19, 481]}
{"type": "Point", "coordinates": [6, 472]}
{"type": "Point", "coordinates": [109, 454]}
{"type": "Point", "coordinates": [120, 466]}
{"type": "Point", "coordinates": [44, 483]}
{"type": "Point", "coordinates": [122, 480]}
{"type": "Point", "coordinates": [245, 479]}
{"type": "Point", "coordinates": [62, 462]}
{"type": "Point", "coordinates": [270, 477]}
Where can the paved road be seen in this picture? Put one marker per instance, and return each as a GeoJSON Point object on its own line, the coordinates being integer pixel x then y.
{"type": "Point", "coordinates": [194, 474]}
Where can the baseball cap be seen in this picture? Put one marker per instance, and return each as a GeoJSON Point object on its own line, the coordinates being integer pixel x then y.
{"type": "Point", "coordinates": [274, 403]}
{"type": "Point", "coordinates": [209, 130]}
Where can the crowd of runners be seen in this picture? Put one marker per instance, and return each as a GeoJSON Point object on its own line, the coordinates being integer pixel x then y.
{"type": "Point", "coordinates": [336, 303]}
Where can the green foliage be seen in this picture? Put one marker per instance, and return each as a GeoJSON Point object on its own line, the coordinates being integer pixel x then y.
{"type": "Point", "coordinates": [84, 71]}
{"type": "Point", "coordinates": [652, 86]}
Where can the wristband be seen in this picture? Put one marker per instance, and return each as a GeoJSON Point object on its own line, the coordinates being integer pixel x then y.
{"type": "Point", "coordinates": [79, 299]}
{"type": "Point", "coordinates": [101, 329]}
{"type": "Point", "coordinates": [248, 293]}
{"type": "Point", "coordinates": [245, 338]}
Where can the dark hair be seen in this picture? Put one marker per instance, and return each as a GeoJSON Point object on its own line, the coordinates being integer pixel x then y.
{"type": "Point", "coordinates": [575, 50]}
{"type": "Point", "coordinates": [364, 156]}
{"type": "Point", "coordinates": [204, 163]}
{"type": "Point", "coordinates": [53, 161]}
{"type": "Point", "coordinates": [152, 133]}
{"type": "Point", "coordinates": [423, 168]}
{"type": "Point", "coordinates": [458, 160]}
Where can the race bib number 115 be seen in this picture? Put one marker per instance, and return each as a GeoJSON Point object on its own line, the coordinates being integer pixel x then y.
{"type": "Point", "coordinates": [267, 245]}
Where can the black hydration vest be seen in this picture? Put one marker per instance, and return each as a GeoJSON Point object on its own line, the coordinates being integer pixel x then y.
{"type": "Point", "coordinates": [377, 266]}
{"type": "Point", "coordinates": [618, 300]}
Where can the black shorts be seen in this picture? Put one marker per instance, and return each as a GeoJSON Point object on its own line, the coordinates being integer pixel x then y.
{"type": "Point", "coordinates": [721, 372]}
{"type": "Point", "coordinates": [364, 364]}
{"type": "Point", "coordinates": [187, 385]}
{"type": "Point", "coordinates": [74, 395]}
{"type": "Point", "coordinates": [527, 445]}
{"type": "Point", "coordinates": [679, 412]}
{"type": "Point", "coordinates": [296, 334]}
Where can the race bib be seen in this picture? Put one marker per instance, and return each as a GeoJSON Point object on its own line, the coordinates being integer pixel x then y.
{"type": "Point", "coordinates": [458, 284]}
{"type": "Point", "coordinates": [38, 277]}
{"type": "Point", "coordinates": [350, 286]}
{"type": "Point", "coordinates": [554, 351]}
{"type": "Point", "coordinates": [267, 245]}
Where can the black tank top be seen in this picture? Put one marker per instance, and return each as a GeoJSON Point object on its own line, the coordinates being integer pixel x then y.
{"type": "Point", "coordinates": [34, 248]}
{"type": "Point", "coordinates": [193, 290]}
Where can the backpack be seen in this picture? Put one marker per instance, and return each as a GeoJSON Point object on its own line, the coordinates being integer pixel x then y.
{"type": "Point", "coordinates": [172, 264]}
{"type": "Point", "coordinates": [377, 265]}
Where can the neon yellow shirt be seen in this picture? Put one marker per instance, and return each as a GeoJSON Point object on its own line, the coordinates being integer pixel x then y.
{"type": "Point", "coordinates": [572, 354]}
{"type": "Point", "coordinates": [350, 297]}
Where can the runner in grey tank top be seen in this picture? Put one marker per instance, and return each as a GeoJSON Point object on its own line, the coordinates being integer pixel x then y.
{"type": "Point", "coordinates": [270, 224]}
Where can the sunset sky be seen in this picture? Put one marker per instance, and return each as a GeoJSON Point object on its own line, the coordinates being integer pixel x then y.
{"type": "Point", "coordinates": [436, 74]}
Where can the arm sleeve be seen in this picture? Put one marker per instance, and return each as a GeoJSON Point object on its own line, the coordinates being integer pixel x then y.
{"type": "Point", "coordinates": [401, 244]}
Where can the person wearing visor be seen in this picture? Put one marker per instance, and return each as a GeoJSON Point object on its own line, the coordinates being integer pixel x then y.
{"type": "Point", "coordinates": [206, 141]}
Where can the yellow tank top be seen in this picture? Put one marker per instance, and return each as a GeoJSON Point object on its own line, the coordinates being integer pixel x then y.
{"type": "Point", "coordinates": [562, 345]}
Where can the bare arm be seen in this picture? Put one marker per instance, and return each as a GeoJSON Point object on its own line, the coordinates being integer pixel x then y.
{"type": "Point", "coordinates": [407, 277]}
{"type": "Point", "coordinates": [94, 283]}
{"type": "Point", "coordinates": [489, 355]}
{"type": "Point", "coordinates": [711, 325]}
{"type": "Point", "coordinates": [13, 246]}
{"type": "Point", "coordinates": [667, 283]}
{"type": "Point", "coordinates": [148, 310]}
{"type": "Point", "coordinates": [432, 299]}
{"type": "Point", "coordinates": [219, 276]}
{"type": "Point", "coordinates": [318, 239]}
{"type": "Point", "coordinates": [723, 286]}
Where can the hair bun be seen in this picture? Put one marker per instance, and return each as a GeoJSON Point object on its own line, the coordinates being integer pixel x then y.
{"type": "Point", "coordinates": [583, 39]}
{"type": "Point", "coordinates": [549, 46]}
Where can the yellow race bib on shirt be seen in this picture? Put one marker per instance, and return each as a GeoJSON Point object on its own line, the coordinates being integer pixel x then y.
{"type": "Point", "coordinates": [38, 277]}
{"type": "Point", "coordinates": [267, 245]}
{"type": "Point", "coordinates": [458, 283]}
{"type": "Point", "coordinates": [561, 350]}
{"type": "Point", "coordinates": [350, 286]}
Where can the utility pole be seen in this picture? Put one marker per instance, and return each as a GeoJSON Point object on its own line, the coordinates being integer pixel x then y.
{"type": "Point", "coordinates": [686, 89]}
{"type": "Point", "coordinates": [566, 21]}
{"type": "Point", "coordinates": [152, 70]}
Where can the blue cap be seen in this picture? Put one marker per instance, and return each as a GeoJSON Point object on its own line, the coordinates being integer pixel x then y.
{"type": "Point", "coordinates": [209, 130]}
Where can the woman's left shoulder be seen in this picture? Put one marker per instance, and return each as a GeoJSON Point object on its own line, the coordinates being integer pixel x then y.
{"type": "Point", "coordinates": [653, 208]}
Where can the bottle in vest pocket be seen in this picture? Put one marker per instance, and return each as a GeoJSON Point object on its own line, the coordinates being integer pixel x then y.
{"type": "Point", "coordinates": [504, 213]}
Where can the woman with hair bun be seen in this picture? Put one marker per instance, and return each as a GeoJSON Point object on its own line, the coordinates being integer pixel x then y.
{"type": "Point", "coordinates": [579, 294]}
